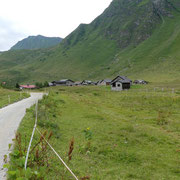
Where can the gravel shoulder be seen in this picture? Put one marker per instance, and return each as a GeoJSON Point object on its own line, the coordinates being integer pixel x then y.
{"type": "Point", "coordinates": [10, 118]}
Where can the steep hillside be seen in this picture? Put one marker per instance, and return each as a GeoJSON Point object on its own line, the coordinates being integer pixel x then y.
{"type": "Point", "coordinates": [37, 42]}
{"type": "Point", "coordinates": [138, 38]}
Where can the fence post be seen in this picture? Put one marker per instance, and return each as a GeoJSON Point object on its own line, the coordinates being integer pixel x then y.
{"type": "Point", "coordinates": [27, 155]}
{"type": "Point", "coordinates": [9, 99]}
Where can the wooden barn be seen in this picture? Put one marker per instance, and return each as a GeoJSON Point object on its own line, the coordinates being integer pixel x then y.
{"type": "Point", "coordinates": [120, 83]}
{"type": "Point", "coordinates": [63, 82]}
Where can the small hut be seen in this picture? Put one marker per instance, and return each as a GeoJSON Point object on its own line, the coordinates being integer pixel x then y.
{"type": "Point", "coordinates": [63, 82]}
{"type": "Point", "coordinates": [120, 83]}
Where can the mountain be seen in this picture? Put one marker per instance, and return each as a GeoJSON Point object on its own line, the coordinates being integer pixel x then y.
{"type": "Point", "coordinates": [136, 38]}
{"type": "Point", "coordinates": [37, 42]}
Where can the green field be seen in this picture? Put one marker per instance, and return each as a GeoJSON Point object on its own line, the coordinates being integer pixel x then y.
{"type": "Point", "coordinates": [9, 96]}
{"type": "Point", "coordinates": [117, 135]}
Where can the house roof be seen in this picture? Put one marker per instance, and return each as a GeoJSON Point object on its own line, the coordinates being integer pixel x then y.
{"type": "Point", "coordinates": [87, 81]}
{"type": "Point", "coordinates": [122, 79]}
{"type": "Point", "coordinates": [106, 80]}
{"type": "Point", "coordinates": [62, 81]}
{"type": "Point", "coordinates": [28, 86]}
{"type": "Point", "coordinates": [140, 81]}
{"type": "Point", "coordinates": [65, 80]}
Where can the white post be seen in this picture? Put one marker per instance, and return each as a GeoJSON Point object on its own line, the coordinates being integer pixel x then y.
{"type": "Point", "coordinates": [173, 90]}
{"type": "Point", "coordinates": [9, 99]}
{"type": "Point", "coordinates": [27, 155]}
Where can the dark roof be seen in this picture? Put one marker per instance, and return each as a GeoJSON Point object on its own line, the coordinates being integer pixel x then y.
{"type": "Point", "coordinates": [106, 80]}
{"type": "Point", "coordinates": [87, 81]}
{"type": "Point", "coordinates": [65, 80]}
{"type": "Point", "coordinates": [122, 79]}
{"type": "Point", "coordinates": [62, 81]}
{"type": "Point", "coordinates": [140, 81]}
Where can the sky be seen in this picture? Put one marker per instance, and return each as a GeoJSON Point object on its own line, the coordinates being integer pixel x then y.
{"type": "Point", "coordinates": [52, 18]}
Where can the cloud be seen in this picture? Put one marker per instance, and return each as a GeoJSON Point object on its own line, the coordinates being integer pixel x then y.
{"type": "Point", "coordinates": [8, 35]}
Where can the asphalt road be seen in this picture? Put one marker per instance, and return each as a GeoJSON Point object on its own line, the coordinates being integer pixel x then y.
{"type": "Point", "coordinates": [10, 118]}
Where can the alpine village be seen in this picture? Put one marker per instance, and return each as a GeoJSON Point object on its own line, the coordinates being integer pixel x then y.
{"type": "Point", "coordinates": [101, 103]}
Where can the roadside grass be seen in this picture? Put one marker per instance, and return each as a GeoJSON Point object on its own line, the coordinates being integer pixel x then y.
{"type": "Point", "coordinates": [118, 135]}
{"type": "Point", "coordinates": [8, 96]}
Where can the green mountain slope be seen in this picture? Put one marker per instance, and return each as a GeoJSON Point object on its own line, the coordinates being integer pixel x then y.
{"type": "Point", "coordinates": [140, 39]}
{"type": "Point", "coordinates": [37, 42]}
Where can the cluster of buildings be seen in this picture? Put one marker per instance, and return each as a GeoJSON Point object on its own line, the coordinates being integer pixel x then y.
{"type": "Point", "coordinates": [119, 83]}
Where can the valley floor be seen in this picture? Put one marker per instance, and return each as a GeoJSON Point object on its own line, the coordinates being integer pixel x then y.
{"type": "Point", "coordinates": [117, 135]}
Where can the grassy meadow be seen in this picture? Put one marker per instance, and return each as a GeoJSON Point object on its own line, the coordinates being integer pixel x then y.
{"type": "Point", "coordinates": [117, 135]}
{"type": "Point", "coordinates": [10, 96]}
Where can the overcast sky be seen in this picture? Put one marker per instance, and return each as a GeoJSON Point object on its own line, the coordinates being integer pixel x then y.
{"type": "Point", "coordinates": [52, 18]}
